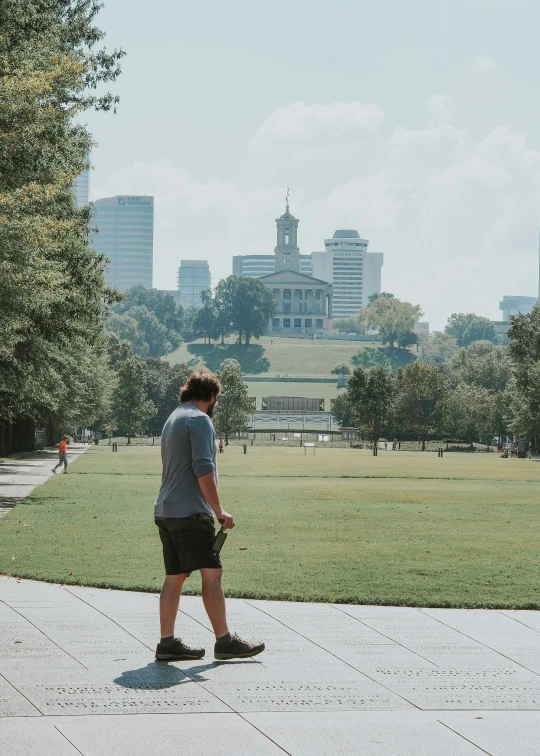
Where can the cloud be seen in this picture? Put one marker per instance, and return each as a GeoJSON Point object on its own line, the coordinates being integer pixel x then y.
{"type": "Point", "coordinates": [377, 201]}
{"type": "Point", "coordinates": [304, 122]}
{"type": "Point", "coordinates": [481, 63]}
{"type": "Point", "coordinates": [456, 216]}
{"type": "Point", "coordinates": [439, 109]}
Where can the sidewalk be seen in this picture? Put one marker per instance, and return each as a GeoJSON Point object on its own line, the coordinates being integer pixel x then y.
{"type": "Point", "coordinates": [19, 476]}
{"type": "Point", "coordinates": [78, 676]}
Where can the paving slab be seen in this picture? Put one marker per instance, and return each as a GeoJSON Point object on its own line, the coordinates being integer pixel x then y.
{"type": "Point", "coordinates": [499, 733]}
{"type": "Point", "coordinates": [178, 734]}
{"type": "Point", "coordinates": [365, 733]}
{"type": "Point", "coordinates": [38, 737]}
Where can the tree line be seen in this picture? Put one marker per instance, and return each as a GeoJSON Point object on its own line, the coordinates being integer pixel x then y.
{"type": "Point", "coordinates": [53, 298]}
{"type": "Point", "coordinates": [144, 391]}
{"type": "Point", "coordinates": [478, 393]}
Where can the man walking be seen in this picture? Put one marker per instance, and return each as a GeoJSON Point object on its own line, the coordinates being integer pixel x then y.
{"type": "Point", "coordinates": [62, 455]}
{"type": "Point", "coordinates": [184, 513]}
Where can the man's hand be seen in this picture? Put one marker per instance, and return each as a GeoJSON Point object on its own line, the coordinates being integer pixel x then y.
{"type": "Point", "coordinates": [228, 520]}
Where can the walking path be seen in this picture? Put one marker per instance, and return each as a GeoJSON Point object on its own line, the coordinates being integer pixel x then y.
{"type": "Point", "coordinates": [78, 676]}
{"type": "Point", "coordinates": [19, 476]}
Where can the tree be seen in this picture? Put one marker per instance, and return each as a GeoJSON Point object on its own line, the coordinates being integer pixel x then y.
{"type": "Point", "coordinates": [389, 359]}
{"type": "Point", "coordinates": [409, 338]}
{"type": "Point", "coordinates": [342, 368]}
{"type": "Point", "coordinates": [127, 329]}
{"type": "Point", "coordinates": [420, 391]}
{"type": "Point", "coordinates": [53, 300]}
{"type": "Point", "coordinates": [350, 325]}
{"type": "Point", "coordinates": [157, 316]}
{"type": "Point", "coordinates": [249, 305]}
{"type": "Point", "coordinates": [163, 383]}
{"type": "Point", "coordinates": [205, 319]}
{"type": "Point", "coordinates": [234, 406]}
{"type": "Point", "coordinates": [155, 333]}
{"type": "Point", "coordinates": [342, 411]}
{"type": "Point", "coordinates": [481, 364]}
{"type": "Point", "coordinates": [370, 394]}
{"type": "Point", "coordinates": [437, 348]}
{"type": "Point", "coordinates": [385, 294]}
{"type": "Point", "coordinates": [468, 414]}
{"type": "Point", "coordinates": [158, 302]}
{"type": "Point", "coordinates": [390, 317]}
{"type": "Point", "coordinates": [466, 328]}
{"type": "Point", "coordinates": [131, 408]}
{"type": "Point", "coordinates": [523, 394]}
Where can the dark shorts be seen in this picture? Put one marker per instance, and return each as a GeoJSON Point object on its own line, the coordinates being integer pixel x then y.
{"type": "Point", "coordinates": [187, 542]}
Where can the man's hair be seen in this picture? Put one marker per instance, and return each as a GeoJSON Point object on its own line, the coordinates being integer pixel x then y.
{"type": "Point", "coordinates": [65, 438]}
{"type": "Point", "coordinates": [200, 387]}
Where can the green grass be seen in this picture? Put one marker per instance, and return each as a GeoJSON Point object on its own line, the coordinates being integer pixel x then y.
{"type": "Point", "coordinates": [285, 356]}
{"type": "Point", "coordinates": [401, 528]}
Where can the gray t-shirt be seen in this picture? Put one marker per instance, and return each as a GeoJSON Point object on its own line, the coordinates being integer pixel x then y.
{"type": "Point", "coordinates": [188, 451]}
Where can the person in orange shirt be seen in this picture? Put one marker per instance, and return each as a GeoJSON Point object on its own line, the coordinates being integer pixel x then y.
{"type": "Point", "coordinates": [62, 454]}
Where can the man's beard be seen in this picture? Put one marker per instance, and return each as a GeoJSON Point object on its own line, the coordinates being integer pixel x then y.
{"type": "Point", "coordinates": [210, 410]}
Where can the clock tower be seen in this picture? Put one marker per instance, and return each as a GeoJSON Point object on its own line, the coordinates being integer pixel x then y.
{"type": "Point", "coordinates": [286, 251]}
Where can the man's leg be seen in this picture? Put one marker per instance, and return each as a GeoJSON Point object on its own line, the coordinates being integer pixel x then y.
{"type": "Point", "coordinates": [227, 646]}
{"type": "Point", "coordinates": [170, 648]}
{"type": "Point", "coordinates": [214, 600]}
{"type": "Point", "coordinates": [169, 601]}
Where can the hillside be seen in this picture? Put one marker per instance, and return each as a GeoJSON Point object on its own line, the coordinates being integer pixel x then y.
{"type": "Point", "coordinates": [275, 356]}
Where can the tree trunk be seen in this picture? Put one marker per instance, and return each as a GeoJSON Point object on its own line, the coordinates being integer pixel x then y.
{"type": "Point", "coordinates": [423, 444]}
{"type": "Point", "coordinates": [129, 439]}
{"type": "Point", "coordinates": [375, 448]}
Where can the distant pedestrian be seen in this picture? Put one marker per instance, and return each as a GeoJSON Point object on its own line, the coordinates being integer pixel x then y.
{"type": "Point", "coordinates": [386, 444]}
{"type": "Point", "coordinates": [529, 450]}
{"type": "Point", "coordinates": [221, 449]}
{"type": "Point", "coordinates": [62, 455]}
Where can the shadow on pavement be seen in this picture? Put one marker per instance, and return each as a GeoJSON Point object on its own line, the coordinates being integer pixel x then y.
{"type": "Point", "coordinates": [161, 674]}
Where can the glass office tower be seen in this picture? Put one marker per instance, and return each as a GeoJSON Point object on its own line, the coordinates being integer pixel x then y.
{"type": "Point", "coordinates": [193, 278]}
{"type": "Point", "coordinates": [125, 236]}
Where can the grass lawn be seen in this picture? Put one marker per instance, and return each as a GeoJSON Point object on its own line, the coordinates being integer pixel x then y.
{"type": "Point", "coordinates": [401, 528]}
{"type": "Point", "coordinates": [294, 357]}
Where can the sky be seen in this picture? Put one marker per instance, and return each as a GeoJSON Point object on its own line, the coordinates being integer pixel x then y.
{"type": "Point", "coordinates": [415, 123]}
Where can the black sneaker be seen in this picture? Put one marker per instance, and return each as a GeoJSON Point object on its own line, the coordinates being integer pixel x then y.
{"type": "Point", "coordinates": [237, 648]}
{"type": "Point", "coordinates": [178, 651]}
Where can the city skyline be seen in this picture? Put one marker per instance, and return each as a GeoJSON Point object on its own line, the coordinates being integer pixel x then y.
{"type": "Point", "coordinates": [423, 136]}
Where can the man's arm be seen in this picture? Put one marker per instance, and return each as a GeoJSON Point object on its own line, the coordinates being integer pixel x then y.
{"type": "Point", "coordinates": [202, 454]}
{"type": "Point", "coordinates": [207, 484]}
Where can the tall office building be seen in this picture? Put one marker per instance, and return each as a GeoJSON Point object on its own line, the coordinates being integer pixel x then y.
{"type": "Point", "coordinates": [354, 272]}
{"type": "Point", "coordinates": [81, 187]}
{"type": "Point", "coordinates": [516, 305]}
{"type": "Point", "coordinates": [126, 237]}
{"type": "Point", "coordinates": [193, 279]}
{"type": "Point", "coordinates": [255, 266]}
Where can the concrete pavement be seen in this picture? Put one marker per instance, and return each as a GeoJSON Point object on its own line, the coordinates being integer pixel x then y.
{"type": "Point", "coordinates": [77, 675]}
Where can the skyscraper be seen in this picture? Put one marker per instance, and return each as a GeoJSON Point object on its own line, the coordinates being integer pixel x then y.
{"type": "Point", "coordinates": [81, 187]}
{"type": "Point", "coordinates": [193, 279]}
{"type": "Point", "coordinates": [125, 236]}
{"type": "Point", "coordinates": [354, 272]}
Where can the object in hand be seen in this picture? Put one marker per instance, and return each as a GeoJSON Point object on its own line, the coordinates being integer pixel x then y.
{"type": "Point", "coordinates": [219, 540]}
